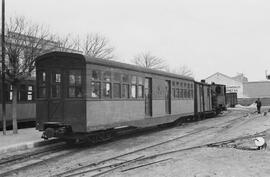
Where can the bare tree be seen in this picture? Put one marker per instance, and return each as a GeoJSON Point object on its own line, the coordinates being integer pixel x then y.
{"type": "Point", "coordinates": [24, 42]}
{"type": "Point", "coordinates": [182, 70]}
{"type": "Point", "coordinates": [67, 43]}
{"type": "Point", "coordinates": [149, 61]}
{"type": "Point", "coordinates": [95, 45]}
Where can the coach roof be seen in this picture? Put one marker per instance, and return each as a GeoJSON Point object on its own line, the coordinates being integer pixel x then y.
{"type": "Point", "coordinates": [98, 61]}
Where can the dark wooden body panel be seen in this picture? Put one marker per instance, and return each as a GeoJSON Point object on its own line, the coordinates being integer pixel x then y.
{"type": "Point", "coordinates": [65, 110]}
{"type": "Point", "coordinates": [231, 99]}
{"type": "Point", "coordinates": [203, 98]}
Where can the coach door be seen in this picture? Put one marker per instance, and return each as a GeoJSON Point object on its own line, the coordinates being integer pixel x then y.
{"type": "Point", "coordinates": [55, 97]}
{"type": "Point", "coordinates": [148, 96]}
{"type": "Point", "coordinates": [167, 97]}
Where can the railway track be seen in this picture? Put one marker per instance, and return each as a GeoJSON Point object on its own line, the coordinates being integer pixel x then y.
{"type": "Point", "coordinates": [39, 151]}
{"type": "Point", "coordinates": [10, 165]}
{"type": "Point", "coordinates": [111, 164]}
{"type": "Point", "coordinates": [24, 161]}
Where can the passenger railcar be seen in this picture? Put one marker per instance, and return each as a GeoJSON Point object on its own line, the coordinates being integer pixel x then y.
{"type": "Point", "coordinates": [79, 95]}
{"type": "Point", "coordinates": [26, 106]}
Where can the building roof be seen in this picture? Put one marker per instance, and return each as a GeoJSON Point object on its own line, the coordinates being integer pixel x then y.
{"type": "Point", "coordinates": [218, 73]}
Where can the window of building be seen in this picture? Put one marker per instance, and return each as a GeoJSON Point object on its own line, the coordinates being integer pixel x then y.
{"type": "Point", "coordinates": [75, 84]}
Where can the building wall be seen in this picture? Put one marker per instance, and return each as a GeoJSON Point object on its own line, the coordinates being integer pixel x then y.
{"type": "Point", "coordinates": [231, 84]}
{"type": "Point", "coordinates": [257, 89]}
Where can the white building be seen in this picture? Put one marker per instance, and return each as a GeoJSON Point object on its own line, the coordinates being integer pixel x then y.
{"type": "Point", "coordinates": [233, 84]}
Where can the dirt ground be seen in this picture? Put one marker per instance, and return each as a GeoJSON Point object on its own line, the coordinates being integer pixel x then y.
{"type": "Point", "coordinates": [242, 161]}
{"type": "Point", "coordinates": [238, 158]}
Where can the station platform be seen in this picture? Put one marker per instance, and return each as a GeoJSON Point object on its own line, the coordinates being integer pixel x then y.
{"type": "Point", "coordinates": [25, 139]}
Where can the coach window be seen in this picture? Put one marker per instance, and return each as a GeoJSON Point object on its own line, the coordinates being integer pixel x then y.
{"type": "Point", "coordinates": [10, 90]}
{"type": "Point", "coordinates": [23, 93]}
{"type": "Point", "coordinates": [125, 86]}
{"type": "Point", "coordinates": [75, 84]}
{"type": "Point", "coordinates": [107, 76]}
{"type": "Point", "coordinates": [173, 89]}
{"type": "Point", "coordinates": [177, 93]}
{"type": "Point", "coordinates": [95, 84]}
{"type": "Point", "coordinates": [185, 90]}
{"type": "Point", "coordinates": [133, 87]}
{"type": "Point", "coordinates": [56, 85]}
{"type": "Point", "coordinates": [116, 85]}
{"type": "Point", "coordinates": [106, 86]}
{"type": "Point", "coordinates": [140, 87]}
{"type": "Point", "coordinates": [30, 93]}
{"type": "Point", "coordinates": [41, 76]}
{"type": "Point", "coordinates": [106, 90]}
{"type": "Point", "coordinates": [181, 90]}
{"type": "Point", "coordinates": [188, 91]}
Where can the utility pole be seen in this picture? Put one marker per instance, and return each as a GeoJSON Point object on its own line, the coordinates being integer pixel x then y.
{"type": "Point", "coordinates": [3, 69]}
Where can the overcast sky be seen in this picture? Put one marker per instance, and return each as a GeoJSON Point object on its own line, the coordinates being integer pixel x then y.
{"type": "Point", "coordinates": [227, 36]}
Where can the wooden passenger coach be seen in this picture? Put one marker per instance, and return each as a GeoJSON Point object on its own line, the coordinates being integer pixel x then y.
{"type": "Point", "coordinates": [84, 94]}
{"type": "Point", "coordinates": [26, 107]}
